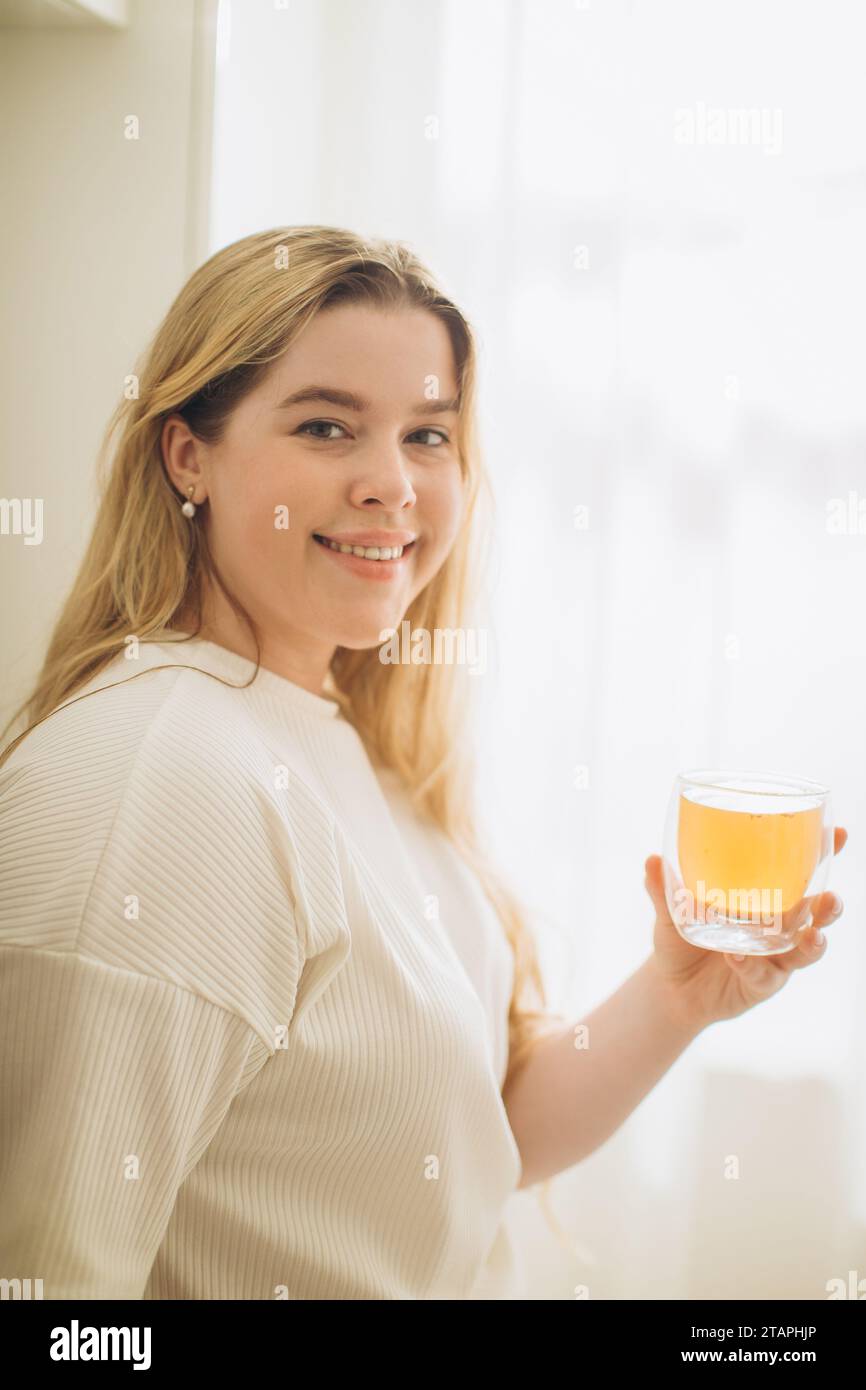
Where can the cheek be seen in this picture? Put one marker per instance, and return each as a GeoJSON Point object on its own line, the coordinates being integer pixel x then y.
{"type": "Point", "coordinates": [441, 511]}
{"type": "Point", "coordinates": [446, 512]}
{"type": "Point", "coordinates": [278, 545]}
{"type": "Point", "coordinates": [268, 520]}
{"type": "Point", "coordinates": [441, 500]}
{"type": "Point", "coordinates": [256, 539]}
{"type": "Point", "coordinates": [254, 533]}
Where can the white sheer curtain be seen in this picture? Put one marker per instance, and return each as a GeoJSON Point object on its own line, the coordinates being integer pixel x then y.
{"type": "Point", "coordinates": [670, 299]}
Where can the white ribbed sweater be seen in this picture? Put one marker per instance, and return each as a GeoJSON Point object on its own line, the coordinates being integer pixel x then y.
{"type": "Point", "coordinates": [253, 1010]}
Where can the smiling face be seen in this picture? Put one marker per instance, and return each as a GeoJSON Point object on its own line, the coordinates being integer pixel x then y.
{"type": "Point", "coordinates": [372, 464]}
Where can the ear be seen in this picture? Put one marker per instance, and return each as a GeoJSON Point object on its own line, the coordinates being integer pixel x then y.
{"type": "Point", "coordinates": [182, 457]}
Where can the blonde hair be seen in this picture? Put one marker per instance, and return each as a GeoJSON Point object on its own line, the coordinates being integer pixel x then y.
{"type": "Point", "coordinates": [145, 563]}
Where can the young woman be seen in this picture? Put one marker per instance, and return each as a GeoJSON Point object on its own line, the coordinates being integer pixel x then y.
{"type": "Point", "coordinates": [269, 1025]}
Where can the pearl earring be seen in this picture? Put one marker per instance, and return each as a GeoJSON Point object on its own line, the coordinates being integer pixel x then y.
{"type": "Point", "coordinates": [188, 507]}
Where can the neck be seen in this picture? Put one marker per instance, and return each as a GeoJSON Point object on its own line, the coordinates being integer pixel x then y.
{"type": "Point", "coordinates": [220, 624]}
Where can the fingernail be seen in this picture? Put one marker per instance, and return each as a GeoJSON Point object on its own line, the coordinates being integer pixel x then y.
{"type": "Point", "coordinates": [818, 941]}
{"type": "Point", "coordinates": [738, 958]}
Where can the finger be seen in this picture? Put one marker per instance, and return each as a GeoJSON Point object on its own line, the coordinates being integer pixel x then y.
{"type": "Point", "coordinates": [811, 942]}
{"type": "Point", "coordinates": [762, 975]}
{"type": "Point", "coordinates": [809, 949]}
{"type": "Point", "coordinates": [654, 884]}
{"type": "Point", "coordinates": [827, 908]}
{"type": "Point", "coordinates": [817, 911]}
{"type": "Point", "coordinates": [839, 838]}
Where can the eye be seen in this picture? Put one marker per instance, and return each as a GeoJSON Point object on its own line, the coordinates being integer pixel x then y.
{"type": "Point", "coordinates": [329, 425]}
{"type": "Point", "coordinates": [440, 434]}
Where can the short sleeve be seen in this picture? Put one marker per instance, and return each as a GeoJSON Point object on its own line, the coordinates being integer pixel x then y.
{"type": "Point", "coordinates": [111, 1087]}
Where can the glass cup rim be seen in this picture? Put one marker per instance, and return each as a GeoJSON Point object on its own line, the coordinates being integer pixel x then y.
{"type": "Point", "coordinates": [721, 779]}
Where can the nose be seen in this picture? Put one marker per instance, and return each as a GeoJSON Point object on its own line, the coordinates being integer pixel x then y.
{"type": "Point", "coordinates": [383, 478]}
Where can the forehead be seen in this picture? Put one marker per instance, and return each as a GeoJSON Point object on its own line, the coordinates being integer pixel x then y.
{"type": "Point", "coordinates": [384, 355]}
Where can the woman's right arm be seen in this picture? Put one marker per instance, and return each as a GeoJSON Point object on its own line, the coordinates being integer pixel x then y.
{"type": "Point", "coordinates": [165, 915]}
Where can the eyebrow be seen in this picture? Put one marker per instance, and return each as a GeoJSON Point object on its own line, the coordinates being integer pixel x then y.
{"type": "Point", "coordinates": [350, 401]}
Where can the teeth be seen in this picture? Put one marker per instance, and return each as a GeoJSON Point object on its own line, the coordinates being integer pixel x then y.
{"type": "Point", "coordinates": [370, 552]}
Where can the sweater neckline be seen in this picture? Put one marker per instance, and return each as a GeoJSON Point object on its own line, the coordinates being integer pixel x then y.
{"type": "Point", "coordinates": [221, 661]}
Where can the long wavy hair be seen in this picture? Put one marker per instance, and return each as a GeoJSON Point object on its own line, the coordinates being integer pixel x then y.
{"type": "Point", "coordinates": [145, 563]}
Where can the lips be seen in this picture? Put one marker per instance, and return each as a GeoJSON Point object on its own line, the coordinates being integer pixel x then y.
{"type": "Point", "coordinates": [368, 538]}
{"type": "Point", "coordinates": [383, 570]}
{"type": "Point", "coordinates": [329, 542]}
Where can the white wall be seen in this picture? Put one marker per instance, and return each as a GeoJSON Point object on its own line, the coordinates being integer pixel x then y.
{"type": "Point", "coordinates": [98, 235]}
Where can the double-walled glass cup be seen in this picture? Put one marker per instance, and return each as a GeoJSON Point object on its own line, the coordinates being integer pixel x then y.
{"type": "Point", "coordinates": [742, 853]}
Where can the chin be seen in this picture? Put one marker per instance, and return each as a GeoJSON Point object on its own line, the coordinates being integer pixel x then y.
{"type": "Point", "coordinates": [362, 629]}
{"type": "Point", "coordinates": [365, 641]}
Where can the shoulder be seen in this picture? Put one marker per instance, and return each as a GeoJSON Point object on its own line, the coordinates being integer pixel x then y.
{"type": "Point", "coordinates": [127, 703]}
{"type": "Point", "coordinates": [167, 737]}
{"type": "Point", "coordinates": [148, 827]}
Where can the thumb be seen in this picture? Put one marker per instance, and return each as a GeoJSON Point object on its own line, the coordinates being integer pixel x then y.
{"type": "Point", "coordinates": [654, 884]}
